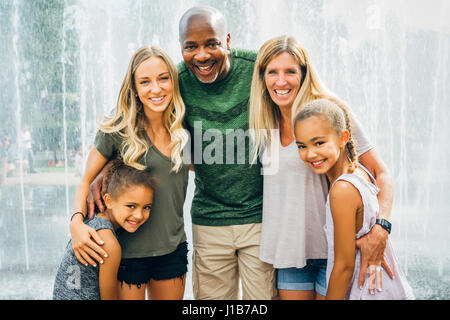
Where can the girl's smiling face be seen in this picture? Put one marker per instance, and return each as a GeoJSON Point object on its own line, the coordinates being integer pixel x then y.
{"type": "Point", "coordinates": [319, 145]}
{"type": "Point", "coordinates": [131, 208]}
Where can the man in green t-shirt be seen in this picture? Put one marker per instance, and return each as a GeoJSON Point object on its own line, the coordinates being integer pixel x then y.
{"type": "Point", "coordinates": [227, 206]}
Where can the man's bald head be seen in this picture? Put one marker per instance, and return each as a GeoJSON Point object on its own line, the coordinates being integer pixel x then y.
{"type": "Point", "coordinates": [205, 44]}
{"type": "Point", "coordinates": [214, 17]}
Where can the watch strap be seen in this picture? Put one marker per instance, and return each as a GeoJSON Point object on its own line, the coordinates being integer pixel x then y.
{"type": "Point", "coordinates": [386, 225]}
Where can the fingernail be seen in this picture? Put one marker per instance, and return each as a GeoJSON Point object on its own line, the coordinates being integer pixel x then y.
{"type": "Point", "coordinates": [94, 265]}
{"type": "Point", "coordinates": [106, 256]}
{"type": "Point", "coordinates": [101, 261]}
{"type": "Point", "coordinates": [102, 242]}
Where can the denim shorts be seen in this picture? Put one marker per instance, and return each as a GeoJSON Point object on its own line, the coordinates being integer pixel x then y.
{"type": "Point", "coordinates": [312, 277]}
{"type": "Point", "coordinates": [138, 271]}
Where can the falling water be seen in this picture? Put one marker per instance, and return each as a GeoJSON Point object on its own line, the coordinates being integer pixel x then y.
{"type": "Point", "coordinates": [107, 58]}
{"type": "Point", "coordinates": [402, 176]}
{"type": "Point", "coordinates": [64, 60]}
{"type": "Point", "coordinates": [81, 22]}
{"type": "Point", "coordinates": [140, 24]}
{"type": "Point", "coordinates": [93, 99]}
{"type": "Point", "coordinates": [324, 39]}
{"type": "Point", "coordinates": [378, 58]}
{"type": "Point", "coordinates": [433, 144]}
{"type": "Point", "coordinates": [16, 24]}
{"type": "Point", "coordinates": [442, 195]}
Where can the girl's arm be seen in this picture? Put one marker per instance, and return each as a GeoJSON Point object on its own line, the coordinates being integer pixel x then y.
{"type": "Point", "coordinates": [344, 203]}
{"type": "Point", "coordinates": [84, 247]}
{"type": "Point", "coordinates": [373, 244]}
{"type": "Point", "coordinates": [108, 270]}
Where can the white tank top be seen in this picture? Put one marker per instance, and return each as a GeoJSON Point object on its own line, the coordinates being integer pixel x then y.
{"type": "Point", "coordinates": [397, 289]}
{"type": "Point", "coordinates": [294, 198]}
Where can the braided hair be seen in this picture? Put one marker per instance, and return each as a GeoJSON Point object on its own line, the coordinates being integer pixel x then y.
{"type": "Point", "coordinates": [338, 115]}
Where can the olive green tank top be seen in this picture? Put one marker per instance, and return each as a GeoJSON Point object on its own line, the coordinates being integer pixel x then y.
{"type": "Point", "coordinates": [164, 230]}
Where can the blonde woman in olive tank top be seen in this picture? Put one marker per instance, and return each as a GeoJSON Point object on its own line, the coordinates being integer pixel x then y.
{"type": "Point", "coordinates": [145, 131]}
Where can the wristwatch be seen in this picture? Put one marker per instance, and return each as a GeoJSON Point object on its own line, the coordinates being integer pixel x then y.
{"type": "Point", "coordinates": [386, 225]}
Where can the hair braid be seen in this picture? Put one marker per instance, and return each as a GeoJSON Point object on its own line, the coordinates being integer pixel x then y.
{"type": "Point", "coordinates": [351, 145]}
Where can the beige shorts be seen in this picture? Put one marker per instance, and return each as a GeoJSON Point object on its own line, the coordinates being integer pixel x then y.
{"type": "Point", "coordinates": [223, 255]}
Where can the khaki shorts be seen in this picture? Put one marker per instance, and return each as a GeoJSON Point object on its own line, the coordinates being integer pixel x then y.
{"type": "Point", "coordinates": [224, 254]}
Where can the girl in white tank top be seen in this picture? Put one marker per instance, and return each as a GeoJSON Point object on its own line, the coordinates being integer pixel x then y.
{"type": "Point", "coordinates": [325, 144]}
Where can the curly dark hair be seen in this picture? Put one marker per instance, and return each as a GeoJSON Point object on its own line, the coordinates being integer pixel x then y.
{"type": "Point", "coordinates": [121, 176]}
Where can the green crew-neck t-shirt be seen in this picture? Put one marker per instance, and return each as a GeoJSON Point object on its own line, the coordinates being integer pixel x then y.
{"type": "Point", "coordinates": [228, 189]}
{"type": "Point", "coordinates": [164, 230]}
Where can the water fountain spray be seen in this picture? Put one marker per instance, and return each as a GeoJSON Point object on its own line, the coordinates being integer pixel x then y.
{"type": "Point", "coordinates": [16, 24]}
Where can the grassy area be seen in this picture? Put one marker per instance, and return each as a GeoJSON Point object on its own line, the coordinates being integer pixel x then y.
{"type": "Point", "coordinates": [55, 169]}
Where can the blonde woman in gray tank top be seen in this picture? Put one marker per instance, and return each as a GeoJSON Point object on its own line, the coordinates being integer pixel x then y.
{"type": "Point", "coordinates": [294, 197]}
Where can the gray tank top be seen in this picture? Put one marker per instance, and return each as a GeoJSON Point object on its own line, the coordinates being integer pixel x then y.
{"type": "Point", "coordinates": [397, 289]}
{"type": "Point", "coordinates": [74, 281]}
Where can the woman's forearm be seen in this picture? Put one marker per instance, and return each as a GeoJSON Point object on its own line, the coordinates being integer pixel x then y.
{"type": "Point", "coordinates": [81, 196]}
{"type": "Point", "coordinates": [80, 204]}
{"type": "Point", "coordinates": [94, 165]}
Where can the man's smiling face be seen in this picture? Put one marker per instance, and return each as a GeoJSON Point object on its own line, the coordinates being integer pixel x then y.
{"type": "Point", "coordinates": [205, 49]}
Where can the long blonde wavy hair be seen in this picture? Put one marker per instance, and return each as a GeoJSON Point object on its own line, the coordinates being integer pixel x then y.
{"type": "Point", "coordinates": [129, 120]}
{"type": "Point", "coordinates": [264, 114]}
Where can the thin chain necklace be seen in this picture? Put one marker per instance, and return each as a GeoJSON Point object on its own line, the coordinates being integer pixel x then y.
{"type": "Point", "coordinates": [156, 135]}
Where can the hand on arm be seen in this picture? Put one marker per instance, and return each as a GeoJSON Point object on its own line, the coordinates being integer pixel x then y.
{"type": "Point", "coordinates": [86, 250]}
{"type": "Point", "coordinates": [373, 244]}
{"type": "Point", "coordinates": [344, 203]}
{"type": "Point", "coordinates": [96, 192]}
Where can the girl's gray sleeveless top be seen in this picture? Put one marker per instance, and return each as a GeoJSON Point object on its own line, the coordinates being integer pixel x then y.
{"type": "Point", "coordinates": [397, 289]}
{"type": "Point", "coordinates": [74, 281]}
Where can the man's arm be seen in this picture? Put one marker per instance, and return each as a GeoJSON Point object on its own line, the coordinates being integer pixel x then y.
{"type": "Point", "coordinates": [372, 161]}
{"type": "Point", "coordinates": [373, 244]}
